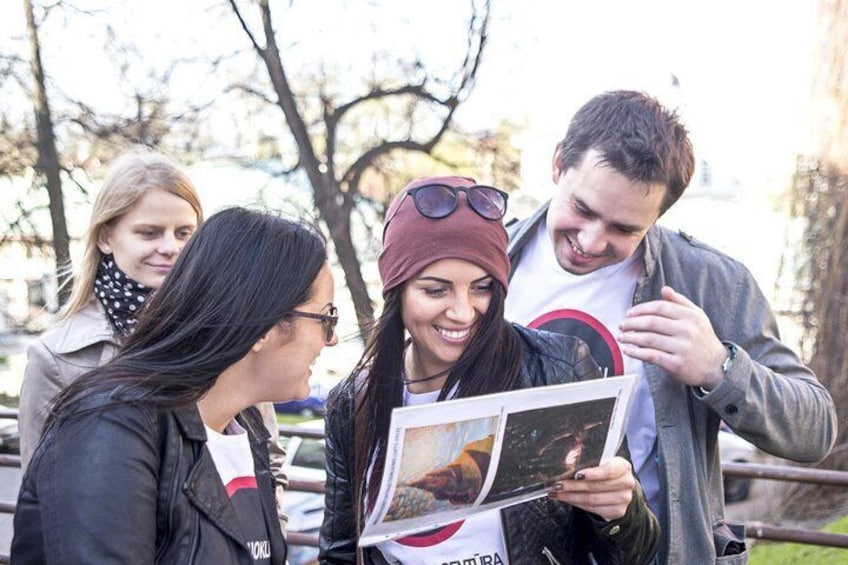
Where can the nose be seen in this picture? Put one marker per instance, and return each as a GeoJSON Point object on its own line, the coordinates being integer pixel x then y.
{"type": "Point", "coordinates": [168, 245]}
{"type": "Point", "coordinates": [592, 238]}
{"type": "Point", "coordinates": [461, 309]}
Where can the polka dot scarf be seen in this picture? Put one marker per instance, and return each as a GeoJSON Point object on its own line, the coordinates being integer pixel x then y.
{"type": "Point", "coordinates": [122, 297]}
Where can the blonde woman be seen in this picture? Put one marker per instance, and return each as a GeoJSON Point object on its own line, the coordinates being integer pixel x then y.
{"type": "Point", "coordinates": [144, 214]}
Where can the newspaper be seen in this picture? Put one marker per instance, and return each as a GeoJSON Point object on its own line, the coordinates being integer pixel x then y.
{"type": "Point", "coordinates": [470, 455]}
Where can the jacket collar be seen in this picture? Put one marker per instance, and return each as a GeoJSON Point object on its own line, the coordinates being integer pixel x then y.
{"type": "Point", "coordinates": [188, 418]}
{"type": "Point", "coordinates": [521, 232]}
{"type": "Point", "coordinates": [85, 328]}
{"type": "Point", "coordinates": [652, 244]}
{"type": "Point", "coordinates": [203, 485]}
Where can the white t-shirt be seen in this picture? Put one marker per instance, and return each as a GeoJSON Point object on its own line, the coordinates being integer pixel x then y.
{"type": "Point", "coordinates": [478, 539]}
{"type": "Point", "coordinates": [544, 296]}
{"type": "Point", "coordinates": [234, 461]}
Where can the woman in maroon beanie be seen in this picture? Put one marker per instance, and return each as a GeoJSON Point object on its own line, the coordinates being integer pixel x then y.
{"type": "Point", "coordinates": [445, 271]}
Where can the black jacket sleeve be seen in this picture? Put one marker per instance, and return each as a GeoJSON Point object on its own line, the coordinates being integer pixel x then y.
{"type": "Point", "coordinates": [337, 539]}
{"type": "Point", "coordinates": [109, 516]}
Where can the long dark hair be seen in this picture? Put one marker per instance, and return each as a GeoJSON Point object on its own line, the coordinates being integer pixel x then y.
{"type": "Point", "coordinates": [490, 363]}
{"type": "Point", "coordinates": [238, 276]}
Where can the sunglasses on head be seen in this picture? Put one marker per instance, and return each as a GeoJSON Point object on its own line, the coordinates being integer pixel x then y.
{"type": "Point", "coordinates": [437, 201]}
{"type": "Point", "coordinates": [328, 320]}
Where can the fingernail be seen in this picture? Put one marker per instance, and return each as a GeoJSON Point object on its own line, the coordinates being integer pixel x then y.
{"type": "Point", "coordinates": [557, 487]}
{"type": "Point", "coordinates": [579, 476]}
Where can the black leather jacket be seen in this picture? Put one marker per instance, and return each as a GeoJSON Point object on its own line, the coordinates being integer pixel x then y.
{"type": "Point", "coordinates": [538, 531]}
{"type": "Point", "coordinates": [128, 484]}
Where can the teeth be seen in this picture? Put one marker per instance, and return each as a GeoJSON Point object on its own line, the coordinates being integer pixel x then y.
{"type": "Point", "coordinates": [454, 334]}
{"type": "Point", "coordinates": [579, 251]}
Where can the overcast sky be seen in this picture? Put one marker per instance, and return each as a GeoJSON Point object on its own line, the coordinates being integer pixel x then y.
{"type": "Point", "coordinates": [744, 68]}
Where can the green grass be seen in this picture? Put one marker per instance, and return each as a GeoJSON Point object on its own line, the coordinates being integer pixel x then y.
{"type": "Point", "coordinates": [773, 553]}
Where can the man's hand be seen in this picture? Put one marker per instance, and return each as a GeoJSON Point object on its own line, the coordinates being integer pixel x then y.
{"type": "Point", "coordinates": [675, 334]}
{"type": "Point", "coordinates": [605, 490]}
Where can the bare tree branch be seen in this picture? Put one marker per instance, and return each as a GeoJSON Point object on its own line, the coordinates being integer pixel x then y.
{"type": "Point", "coordinates": [252, 92]}
{"type": "Point", "coordinates": [246, 28]}
{"type": "Point", "coordinates": [425, 96]}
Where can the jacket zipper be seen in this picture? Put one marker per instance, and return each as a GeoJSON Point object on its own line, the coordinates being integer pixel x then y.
{"type": "Point", "coordinates": [195, 545]}
{"type": "Point", "coordinates": [550, 555]}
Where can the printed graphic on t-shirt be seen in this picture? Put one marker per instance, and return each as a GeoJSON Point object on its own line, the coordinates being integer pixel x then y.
{"type": "Point", "coordinates": [544, 296]}
{"type": "Point", "coordinates": [234, 462]}
{"type": "Point", "coordinates": [477, 540]}
{"type": "Point", "coordinates": [601, 342]}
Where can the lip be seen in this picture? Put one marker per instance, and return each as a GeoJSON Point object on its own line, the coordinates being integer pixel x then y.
{"type": "Point", "coordinates": [576, 258]}
{"type": "Point", "coordinates": [161, 269]}
{"type": "Point", "coordinates": [464, 334]}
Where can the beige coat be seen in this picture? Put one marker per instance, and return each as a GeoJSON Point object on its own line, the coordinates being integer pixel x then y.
{"type": "Point", "coordinates": [76, 345]}
{"type": "Point", "coordinates": [60, 356]}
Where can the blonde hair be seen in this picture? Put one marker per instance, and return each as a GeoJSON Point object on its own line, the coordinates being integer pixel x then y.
{"type": "Point", "coordinates": [128, 179]}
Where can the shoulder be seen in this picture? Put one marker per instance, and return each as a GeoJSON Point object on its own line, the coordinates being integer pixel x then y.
{"type": "Point", "coordinates": [101, 416]}
{"type": "Point", "coordinates": [79, 331]}
{"type": "Point", "coordinates": [341, 398]}
{"type": "Point", "coordinates": [547, 344]}
{"type": "Point", "coordinates": [345, 389]}
{"type": "Point", "coordinates": [556, 357]}
{"type": "Point", "coordinates": [678, 246]}
{"type": "Point", "coordinates": [694, 268]}
{"type": "Point", "coordinates": [520, 231]}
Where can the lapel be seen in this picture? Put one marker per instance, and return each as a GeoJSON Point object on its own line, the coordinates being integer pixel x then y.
{"type": "Point", "coordinates": [203, 484]}
{"type": "Point", "coordinates": [251, 421]}
{"type": "Point", "coordinates": [84, 329]}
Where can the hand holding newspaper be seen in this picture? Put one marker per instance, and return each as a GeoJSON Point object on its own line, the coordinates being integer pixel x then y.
{"type": "Point", "coordinates": [447, 462]}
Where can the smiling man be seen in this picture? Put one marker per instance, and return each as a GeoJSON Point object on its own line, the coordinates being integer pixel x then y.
{"type": "Point", "coordinates": [688, 319]}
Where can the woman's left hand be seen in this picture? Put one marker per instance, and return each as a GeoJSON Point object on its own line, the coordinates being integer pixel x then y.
{"type": "Point", "coordinates": [605, 490]}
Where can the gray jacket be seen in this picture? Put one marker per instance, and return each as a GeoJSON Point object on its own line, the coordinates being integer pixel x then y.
{"type": "Point", "coordinates": [769, 396]}
{"type": "Point", "coordinates": [78, 344]}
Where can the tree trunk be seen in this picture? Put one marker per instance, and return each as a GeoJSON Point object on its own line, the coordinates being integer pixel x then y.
{"type": "Point", "coordinates": [327, 194]}
{"type": "Point", "coordinates": [337, 220]}
{"type": "Point", "coordinates": [48, 158]}
{"type": "Point", "coordinates": [821, 195]}
{"type": "Point", "coordinates": [335, 191]}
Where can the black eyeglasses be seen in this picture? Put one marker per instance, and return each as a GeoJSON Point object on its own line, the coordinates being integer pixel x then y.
{"type": "Point", "coordinates": [437, 201]}
{"type": "Point", "coordinates": [329, 320]}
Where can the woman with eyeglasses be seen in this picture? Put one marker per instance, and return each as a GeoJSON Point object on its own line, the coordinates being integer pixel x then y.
{"type": "Point", "coordinates": [445, 271]}
{"type": "Point", "coordinates": [145, 212]}
{"type": "Point", "coordinates": [160, 455]}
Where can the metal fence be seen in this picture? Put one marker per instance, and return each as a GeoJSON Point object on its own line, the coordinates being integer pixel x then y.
{"type": "Point", "coordinates": [754, 530]}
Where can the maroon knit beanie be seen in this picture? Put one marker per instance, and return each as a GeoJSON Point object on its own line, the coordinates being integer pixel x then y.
{"type": "Point", "coordinates": [411, 241]}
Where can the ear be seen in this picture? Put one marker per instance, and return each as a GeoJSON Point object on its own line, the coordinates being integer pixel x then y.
{"type": "Point", "coordinates": [103, 239]}
{"type": "Point", "coordinates": [263, 341]}
{"type": "Point", "coordinates": [556, 172]}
